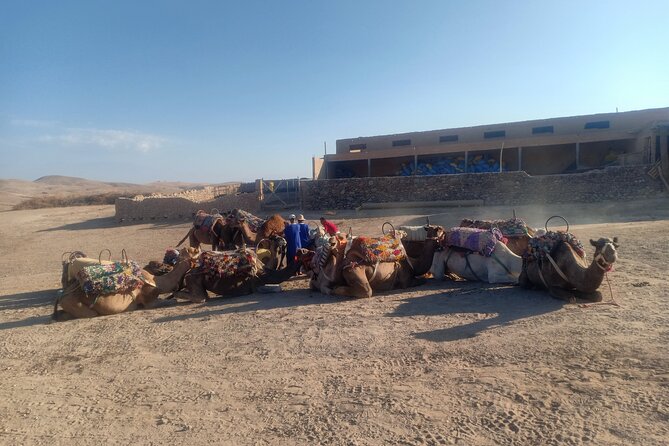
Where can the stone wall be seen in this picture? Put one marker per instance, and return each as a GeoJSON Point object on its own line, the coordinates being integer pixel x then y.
{"type": "Point", "coordinates": [507, 188]}
{"type": "Point", "coordinates": [180, 206]}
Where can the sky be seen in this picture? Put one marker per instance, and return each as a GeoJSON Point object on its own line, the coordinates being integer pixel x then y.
{"type": "Point", "coordinates": [217, 91]}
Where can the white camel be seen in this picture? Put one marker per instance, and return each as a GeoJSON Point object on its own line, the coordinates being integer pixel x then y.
{"type": "Point", "coordinates": [503, 266]}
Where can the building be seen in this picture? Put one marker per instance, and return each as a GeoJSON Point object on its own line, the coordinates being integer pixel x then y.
{"type": "Point", "coordinates": [539, 147]}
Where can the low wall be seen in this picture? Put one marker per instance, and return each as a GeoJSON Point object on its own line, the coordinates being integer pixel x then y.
{"type": "Point", "coordinates": [179, 207]}
{"type": "Point", "coordinates": [506, 188]}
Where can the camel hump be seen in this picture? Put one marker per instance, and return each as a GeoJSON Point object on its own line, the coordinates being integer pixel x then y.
{"type": "Point", "coordinates": [478, 240]}
{"type": "Point", "coordinates": [550, 241]}
{"type": "Point", "coordinates": [371, 250]}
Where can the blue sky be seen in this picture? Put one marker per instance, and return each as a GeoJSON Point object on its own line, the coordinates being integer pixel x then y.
{"type": "Point", "coordinates": [232, 91]}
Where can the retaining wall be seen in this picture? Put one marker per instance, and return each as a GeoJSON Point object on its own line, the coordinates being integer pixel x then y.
{"type": "Point", "coordinates": [506, 188]}
{"type": "Point", "coordinates": [179, 207]}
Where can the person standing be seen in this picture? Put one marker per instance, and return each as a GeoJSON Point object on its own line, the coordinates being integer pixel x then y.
{"type": "Point", "coordinates": [330, 228]}
{"type": "Point", "coordinates": [292, 235]}
{"type": "Point", "coordinates": [305, 241]}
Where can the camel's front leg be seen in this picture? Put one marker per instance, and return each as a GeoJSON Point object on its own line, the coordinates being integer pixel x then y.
{"type": "Point", "coordinates": [594, 296]}
{"type": "Point", "coordinates": [524, 280]}
{"type": "Point", "coordinates": [72, 305]}
{"type": "Point", "coordinates": [196, 292]}
{"type": "Point", "coordinates": [561, 293]}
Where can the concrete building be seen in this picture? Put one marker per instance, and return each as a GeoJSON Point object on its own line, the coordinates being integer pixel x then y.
{"type": "Point", "coordinates": [539, 147]}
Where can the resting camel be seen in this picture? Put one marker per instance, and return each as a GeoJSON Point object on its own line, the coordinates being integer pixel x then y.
{"type": "Point", "coordinates": [567, 275]}
{"type": "Point", "coordinates": [76, 304]}
{"type": "Point", "coordinates": [515, 230]}
{"type": "Point", "coordinates": [271, 227]}
{"type": "Point", "coordinates": [198, 282]}
{"type": "Point", "coordinates": [326, 265]}
{"type": "Point", "coordinates": [361, 279]}
{"type": "Point", "coordinates": [215, 232]}
{"type": "Point", "coordinates": [503, 266]}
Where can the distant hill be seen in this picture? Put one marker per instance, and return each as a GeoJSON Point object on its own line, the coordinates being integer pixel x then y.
{"type": "Point", "coordinates": [13, 192]}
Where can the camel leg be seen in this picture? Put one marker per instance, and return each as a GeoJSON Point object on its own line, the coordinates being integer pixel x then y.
{"type": "Point", "coordinates": [353, 291]}
{"type": "Point", "coordinates": [196, 292]}
{"type": "Point", "coordinates": [72, 305]}
{"type": "Point", "coordinates": [524, 280]}
{"type": "Point", "coordinates": [561, 293]}
{"type": "Point", "coordinates": [594, 296]}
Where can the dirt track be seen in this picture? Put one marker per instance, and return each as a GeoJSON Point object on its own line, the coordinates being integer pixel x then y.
{"type": "Point", "coordinates": [448, 363]}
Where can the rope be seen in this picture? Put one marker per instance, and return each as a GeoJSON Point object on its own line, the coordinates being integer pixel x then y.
{"type": "Point", "coordinates": [611, 302]}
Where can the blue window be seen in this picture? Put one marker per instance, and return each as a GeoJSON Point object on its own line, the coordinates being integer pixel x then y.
{"type": "Point", "coordinates": [448, 138]}
{"type": "Point", "coordinates": [402, 142]}
{"type": "Point", "coordinates": [495, 134]}
{"type": "Point", "coordinates": [543, 129]}
{"type": "Point", "coordinates": [597, 125]}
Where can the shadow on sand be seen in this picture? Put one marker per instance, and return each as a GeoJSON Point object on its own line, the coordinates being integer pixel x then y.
{"type": "Point", "coordinates": [27, 300]}
{"type": "Point", "coordinates": [256, 302]}
{"type": "Point", "coordinates": [509, 303]}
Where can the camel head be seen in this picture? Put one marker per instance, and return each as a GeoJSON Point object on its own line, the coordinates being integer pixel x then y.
{"type": "Point", "coordinates": [605, 252]}
{"type": "Point", "coordinates": [189, 255]}
{"type": "Point", "coordinates": [434, 231]}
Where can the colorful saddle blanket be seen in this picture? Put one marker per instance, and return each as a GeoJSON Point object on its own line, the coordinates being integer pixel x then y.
{"type": "Point", "coordinates": [513, 227]}
{"type": "Point", "coordinates": [205, 221]}
{"type": "Point", "coordinates": [255, 223]}
{"type": "Point", "coordinates": [387, 248]}
{"type": "Point", "coordinates": [482, 241]}
{"type": "Point", "coordinates": [114, 278]}
{"type": "Point", "coordinates": [227, 264]}
{"type": "Point", "coordinates": [540, 246]}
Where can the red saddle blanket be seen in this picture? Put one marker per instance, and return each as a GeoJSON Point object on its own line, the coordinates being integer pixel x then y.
{"type": "Point", "coordinates": [387, 248]}
{"type": "Point", "coordinates": [227, 264]}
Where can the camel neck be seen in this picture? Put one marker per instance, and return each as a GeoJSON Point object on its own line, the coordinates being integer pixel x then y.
{"type": "Point", "coordinates": [170, 281]}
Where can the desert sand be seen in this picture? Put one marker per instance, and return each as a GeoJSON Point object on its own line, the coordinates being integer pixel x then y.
{"type": "Point", "coordinates": [447, 363]}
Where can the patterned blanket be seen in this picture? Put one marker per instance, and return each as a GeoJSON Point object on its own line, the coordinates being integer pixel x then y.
{"type": "Point", "coordinates": [473, 239]}
{"type": "Point", "coordinates": [542, 245]}
{"type": "Point", "coordinates": [227, 264]}
{"type": "Point", "coordinates": [114, 278]}
{"type": "Point", "coordinates": [204, 221]}
{"type": "Point", "coordinates": [254, 222]}
{"type": "Point", "coordinates": [513, 227]}
{"type": "Point", "coordinates": [386, 248]}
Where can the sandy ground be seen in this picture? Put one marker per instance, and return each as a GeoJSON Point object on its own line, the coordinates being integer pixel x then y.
{"type": "Point", "coordinates": [447, 363]}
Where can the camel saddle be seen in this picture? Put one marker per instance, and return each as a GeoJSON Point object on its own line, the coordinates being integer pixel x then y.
{"type": "Point", "coordinates": [255, 223]}
{"type": "Point", "coordinates": [228, 264]}
{"type": "Point", "coordinates": [205, 221]}
{"type": "Point", "coordinates": [387, 248]}
{"type": "Point", "coordinates": [113, 278]}
{"type": "Point", "coordinates": [539, 246]}
{"type": "Point", "coordinates": [482, 241]}
{"type": "Point", "coordinates": [513, 227]}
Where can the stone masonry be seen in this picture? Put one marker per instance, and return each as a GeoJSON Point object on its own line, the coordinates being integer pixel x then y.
{"type": "Point", "coordinates": [507, 188]}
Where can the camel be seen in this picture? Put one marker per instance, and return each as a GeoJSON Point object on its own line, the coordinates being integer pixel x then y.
{"type": "Point", "coordinates": [565, 273]}
{"type": "Point", "coordinates": [326, 265]}
{"type": "Point", "coordinates": [503, 266]}
{"type": "Point", "coordinates": [209, 229]}
{"type": "Point", "coordinates": [254, 229]}
{"type": "Point", "coordinates": [361, 278]}
{"type": "Point", "coordinates": [76, 304]}
{"type": "Point", "coordinates": [515, 230]}
{"type": "Point", "coordinates": [201, 280]}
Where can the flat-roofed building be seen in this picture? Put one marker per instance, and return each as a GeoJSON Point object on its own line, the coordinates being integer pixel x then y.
{"type": "Point", "coordinates": [539, 147]}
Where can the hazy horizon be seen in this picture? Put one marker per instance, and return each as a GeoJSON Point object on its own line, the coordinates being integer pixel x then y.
{"type": "Point", "coordinates": [219, 92]}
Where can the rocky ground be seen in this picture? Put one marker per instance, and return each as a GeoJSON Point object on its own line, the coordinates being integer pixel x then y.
{"type": "Point", "coordinates": [447, 363]}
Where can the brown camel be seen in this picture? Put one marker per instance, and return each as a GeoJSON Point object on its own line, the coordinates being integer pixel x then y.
{"type": "Point", "coordinates": [360, 278]}
{"type": "Point", "coordinates": [515, 230]}
{"type": "Point", "coordinates": [273, 226]}
{"type": "Point", "coordinates": [326, 264]}
{"type": "Point", "coordinates": [76, 304]}
{"type": "Point", "coordinates": [566, 274]}
{"type": "Point", "coordinates": [211, 230]}
{"type": "Point", "coordinates": [200, 280]}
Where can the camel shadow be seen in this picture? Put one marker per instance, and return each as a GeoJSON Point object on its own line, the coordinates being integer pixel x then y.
{"type": "Point", "coordinates": [256, 302]}
{"type": "Point", "coordinates": [28, 300]}
{"type": "Point", "coordinates": [93, 223]}
{"type": "Point", "coordinates": [507, 303]}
